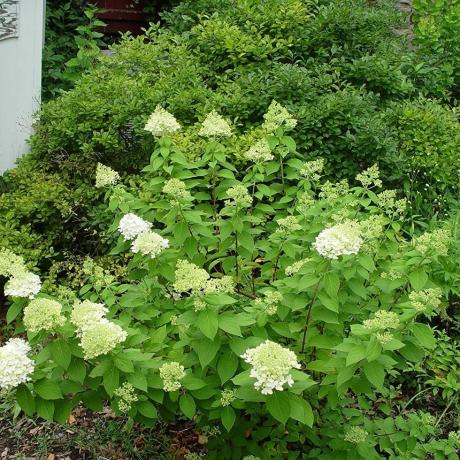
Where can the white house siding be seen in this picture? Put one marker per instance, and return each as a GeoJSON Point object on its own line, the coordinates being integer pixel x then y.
{"type": "Point", "coordinates": [20, 76]}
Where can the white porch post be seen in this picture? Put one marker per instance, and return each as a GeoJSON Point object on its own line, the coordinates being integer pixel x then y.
{"type": "Point", "coordinates": [21, 43]}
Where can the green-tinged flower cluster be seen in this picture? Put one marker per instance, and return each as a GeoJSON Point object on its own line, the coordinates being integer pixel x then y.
{"type": "Point", "coordinates": [176, 190]}
{"type": "Point", "coordinates": [127, 395]}
{"type": "Point", "coordinates": [227, 397]}
{"type": "Point", "coordinates": [105, 176]}
{"type": "Point", "coordinates": [330, 191]}
{"type": "Point", "coordinates": [384, 337]}
{"type": "Point", "coordinates": [259, 152]}
{"type": "Point", "coordinates": [86, 313]}
{"type": "Point", "coordinates": [382, 320]}
{"type": "Point", "coordinates": [292, 269]}
{"type": "Point", "coordinates": [149, 244]}
{"type": "Point", "coordinates": [10, 263]}
{"type": "Point", "coordinates": [214, 125]}
{"type": "Point", "coordinates": [389, 204]}
{"type": "Point", "coordinates": [189, 277]}
{"type": "Point", "coordinates": [239, 196]}
{"type": "Point", "coordinates": [436, 242]}
{"type": "Point", "coordinates": [99, 277]}
{"type": "Point", "coordinates": [356, 435]}
{"type": "Point", "coordinates": [101, 338]}
{"type": "Point", "coordinates": [305, 203]}
{"type": "Point", "coordinates": [426, 300]}
{"type": "Point", "coordinates": [171, 374]}
{"type": "Point", "coordinates": [161, 123]}
{"type": "Point", "coordinates": [23, 284]}
{"type": "Point", "coordinates": [288, 225]}
{"type": "Point", "coordinates": [276, 117]}
{"type": "Point", "coordinates": [312, 170]}
{"type": "Point", "coordinates": [269, 303]}
{"type": "Point", "coordinates": [43, 315]}
{"type": "Point", "coordinates": [372, 228]}
{"type": "Point", "coordinates": [370, 177]}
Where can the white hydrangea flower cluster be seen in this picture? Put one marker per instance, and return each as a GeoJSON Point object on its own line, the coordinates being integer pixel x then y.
{"type": "Point", "coordinates": [339, 240]}
{"type": "Point", "coordinates": [171, 374]}
{"type": "Point", "coordinates": [426, 300]}
{"type": "Point", "coordinates": [382, 320]}
{"type": "Point", "coordinates": [161, 123]}
{"type": "Point", "coordinates": [389, 204]}
{"type": "Point", "coordinates": [131, 226]}
{"type": "Point", "coordinates": [43, 315]}
{"type": "Point", "coordinates": [288, 225]}
{"type": "Point", "coordinates": [436, 242]}
{"type": "Point", "coordinates": [127, 395]}
{"type": "Point", "coordinates": [278, 116]}
{"type": "Point", "coordinates": [105, 176]}
{"type": "Point", "coordinates": [312, 170]}
{"type": "Point", "coordinates": [23, 284]}
{"type": "Point", "coordinates": [356, 435]}
{"type": "Point", "coordinates": [177, 190]}
{"type": "Point", "coordinates": [239, 196]}
{"type": "Point", "coordinates": [370, 177]}
{"type": "Point", "coordinates": [270, 302]}
{"type": "Point", "coordinates": [271, 366]}
{"type": "Point", "coordinates": [214, 125]}
{"type": "Point", "coordinates": [294, 268]}
{"type": "Point", "coordinates": [259, 152]}
{"type": "Point", "coordinates": [149, 244]}
{"type": "Point", "coordinates": [227, 397]}
{"type": "Point", "coordinates": [98, 335]}
{"type": "Point", "coordinates": [15, 366]}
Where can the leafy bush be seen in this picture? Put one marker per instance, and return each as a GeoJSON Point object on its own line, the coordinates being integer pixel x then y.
{"type": "Point", "coordinates": [266, 302]}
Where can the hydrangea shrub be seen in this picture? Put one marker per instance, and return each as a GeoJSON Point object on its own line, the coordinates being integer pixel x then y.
{"type": "Point", "coordinates": [260, 301]}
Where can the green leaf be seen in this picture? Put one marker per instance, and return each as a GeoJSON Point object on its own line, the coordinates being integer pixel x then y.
{"type": "Point", "coordinates": [356, 354]}
{"type": "Point", "coordinates": [206, 350]}
{"type": "Point", "coordinates": [208, 323]}
{"type": "Point", "coordinates": [61, 353]}
{"type": "Point", "coordinates": [48, 389]}
{"type": "Point", "coordinates": [328, 302]}
{"type": "Point", "coordinates": [424, 334]}
{"type": "Point", "coordinates": [301, 410]}
{"type": "Point", "coordinates": [187, 405]}
{"type": "Point", "coordinates": [192, 382]}
{"type": "Point", "coordinates": [229, 324]}
{"type": "Point", "coordinates": [227, 366]}
{"type": "Point", "coordinates": [14, 311]}
{"type": "Point", "coordinates": [331, 284]}
{"type": "Point", "coordinates": [62, 410]}
{"type": "Point", "coordinates": [279, 406]}
{"type": "Point", "coordinates": [375, 373]}
{"type": "Point", "coordinates": [147, 409]}
{"type": "Point", "coordinates": [111, 380]}
{"type": "Point", "coordinates": [25, 400]}
{"type": "Point", "coordinates": [123, 363]}
{"type": "Point", "coordinates": [418, 279]}
{"type": "Point", "coordinates": [228, 417]}
{"type": "Point", "coordinates": [45, 409]}
{"type": "Point", "coordinates": [138, 380]}
{"type": "Point", "coordinates": [77, 370]}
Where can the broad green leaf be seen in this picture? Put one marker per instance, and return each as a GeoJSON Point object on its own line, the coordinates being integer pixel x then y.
{"type": "Point", "coordinates": [208, 323]}
{"type": "Point", "coordinates": [147, 409]}
{"type": "Point", "coordinates": [123, 363]}
{"type": "Point", "coordinates": [45, 409]}
{"type": "Point", "coordinates": [48, 389]}
{"type": "Point", "coordinates": [230, 324]}
{"type": "Point", "coordinates": [192, 383]}
{"type": "Point", "coordinates": [111, 380]}
{"type": "Point", "coordinates": [62, 410]}
{"type": "Point", "coordinates": [278, 404]}
{"type": "Point", "coordinates": [13, 311]}
{"type": "Point", "coordinates": [60, 352]}
{"type": "Point", "coordinates": [138, 380]}
{"type": "Point", "coordinates": [331, 284]}
{"type": "Point", "coordinates": [418, 279]}
{"type": "Point", "coordinates": [375, 373]}
{"type": "Point", "coordinates": [227, 366]}
{"type": "Point", "coordinates": [301, 410]}
{"type": "Point", "coordinates": [25, 400]}
{"type": "Point", "coordinates": [77, 370]}
{"type": "Point", "coordinates": [206, 350]}
{"type": "Point", "coordinates": [228, 417]}
{"type": "Point", "coordinates": [424, 334]}
{"type": "Point", "coordinates": [187, 405]}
